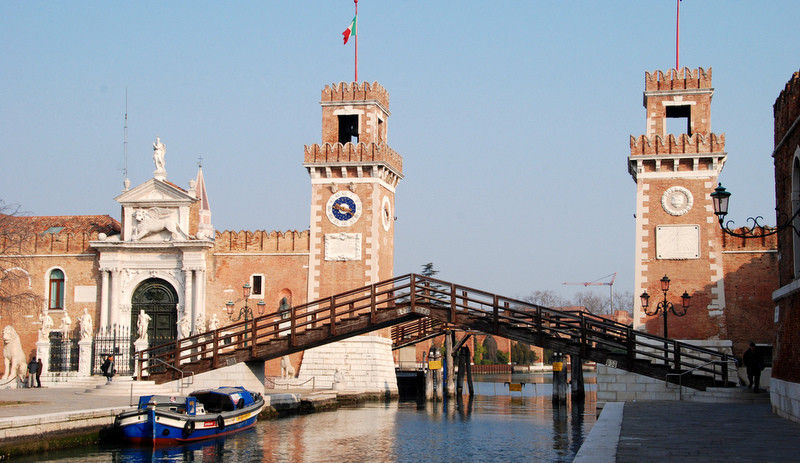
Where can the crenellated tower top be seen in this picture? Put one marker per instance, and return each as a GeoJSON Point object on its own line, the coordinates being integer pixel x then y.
{"type": "Point", "coordinates": [354, 112]}
{"type": "Point", "coordinates": [787, 107]}
{"type": "Point", "coordinates": [678, 135]}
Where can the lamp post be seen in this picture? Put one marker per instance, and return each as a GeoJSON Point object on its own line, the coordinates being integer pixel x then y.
{"type": "Point", "coordinates": [245, 312]}
{"type": "Point", "coordinates": [664, 306]}
{"type": "Point", "coordinates": [721, 197]}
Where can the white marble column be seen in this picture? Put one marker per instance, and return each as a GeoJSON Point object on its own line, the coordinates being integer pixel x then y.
{"type": "Point", "coordinates": [115, 289]}
{"type": "Point", "coordinates": [188, 303]}
{"type": "Point", "coordinates": [103, 299]}
{"type": "Point", "coordinates": [200, 299]}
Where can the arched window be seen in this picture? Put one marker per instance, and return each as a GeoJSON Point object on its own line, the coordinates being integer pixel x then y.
{"type": "Point", "coordinates": [56, 291]}
{"type": "Point", "coordinates": [795, 206]}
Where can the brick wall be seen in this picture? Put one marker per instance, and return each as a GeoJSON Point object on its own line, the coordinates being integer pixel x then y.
{"type": "Point", "coordinates": [786, 358]}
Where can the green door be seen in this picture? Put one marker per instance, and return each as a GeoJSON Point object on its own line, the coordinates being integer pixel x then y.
{"type": "Point", "coordinates": [159, 300]}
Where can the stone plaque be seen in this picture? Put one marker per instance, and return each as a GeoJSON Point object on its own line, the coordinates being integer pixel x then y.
{"type": "Point", "coordinates": [343, 246]}
{"type": "Point", "coordinates": [86, 294]}
{"type": "Point", "coordinates": [678, 242]}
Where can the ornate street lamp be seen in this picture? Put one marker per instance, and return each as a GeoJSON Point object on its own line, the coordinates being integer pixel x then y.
{"type": "Point", "coordinates": [245, 312]}
{"type": "Point", "coordinates": [721, 198]}
{"type": "Point", "coordinates": [664, 306]}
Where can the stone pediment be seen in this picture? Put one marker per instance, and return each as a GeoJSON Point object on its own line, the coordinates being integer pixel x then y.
{"type": "Point", "coordinates": [155, 192]}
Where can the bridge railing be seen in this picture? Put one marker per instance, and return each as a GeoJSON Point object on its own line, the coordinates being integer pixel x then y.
{"type": "Point", "coordinates": [459, 305]}
{"type": "Point", "coordinates": [587, 330]}
{"type": "Point", "coordinates": [249, 334]}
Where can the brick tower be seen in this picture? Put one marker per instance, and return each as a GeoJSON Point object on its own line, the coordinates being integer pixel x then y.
{"type": "Point", "coordinates": [676, 230]}
{"type": "Point", "coordinates": [353, 174]}
{"type": "Point", "coordinates": [353, 178]}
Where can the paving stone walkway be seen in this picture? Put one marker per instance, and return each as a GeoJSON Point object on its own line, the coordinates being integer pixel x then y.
{"type": "Point", "coordinates": [700, 432]}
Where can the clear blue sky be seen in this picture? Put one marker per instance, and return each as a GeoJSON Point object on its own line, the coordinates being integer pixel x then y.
{"type": "Point", "coordinates": [513, 117]}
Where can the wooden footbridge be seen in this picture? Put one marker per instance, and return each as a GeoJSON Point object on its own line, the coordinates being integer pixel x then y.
{"type": "Point", "coordinates": [421, 306]}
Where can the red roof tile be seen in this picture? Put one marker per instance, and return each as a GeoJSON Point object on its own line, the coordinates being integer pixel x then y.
{"type": "Point", "coordinates": [60, 224]}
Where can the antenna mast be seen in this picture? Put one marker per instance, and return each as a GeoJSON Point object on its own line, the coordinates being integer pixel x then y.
{"type": "Point", "coordinates": [126, 182]}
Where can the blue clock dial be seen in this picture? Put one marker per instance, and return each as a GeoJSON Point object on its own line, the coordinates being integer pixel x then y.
{"type": "Point", "coordinates": [343, 208]}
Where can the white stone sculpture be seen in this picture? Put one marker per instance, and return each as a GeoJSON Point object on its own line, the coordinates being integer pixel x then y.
{"type": "Point", "coordinates": [155, 219]}
{"type": "Point", "coordinates": [47, 325]}
{"type": "Point", "coordinates": [159, 152]}
{"type": "Point", "coordinates": [66, 323]}
{"type": "Point", "coordinates": [200, 323]}
{"type": "Point", "coordinates": [141, 326]}
{"type": "Point", "coordinates": [213, 325]}
{"type": "Point", "coordinates": [13, 356]}
{"type": "Point", "coordinates": [338, 380]}
{"type": "Point", "coordinates": [87, 325]}
{"type": "Point", "coordinates": [287, 370]}
{"type": "Point", "coordinates": [185, 326]}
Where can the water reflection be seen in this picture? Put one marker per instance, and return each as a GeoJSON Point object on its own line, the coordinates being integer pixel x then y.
{"type": "Point", "coordinates": [486, 427]}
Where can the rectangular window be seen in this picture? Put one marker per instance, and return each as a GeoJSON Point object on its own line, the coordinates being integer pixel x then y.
{"type": "Point", "coordinates": [679, 119]}
{"type": "Point", "coordinates": [56, 294]}
{"type": "Point", "coordinates": [348, 128]}
{"type": "Point", "coordinates": [257, 283]}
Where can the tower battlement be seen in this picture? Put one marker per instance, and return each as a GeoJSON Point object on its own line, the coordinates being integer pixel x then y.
{"type": "Point", "coordinates": [697, 143]}
{"type": "Point", "coordinates": [353, 153]}
{"type": "Point", "coordinates": [787, 106]}
{"type": "Point", "coordinates": [677, 79]}
{"type": "Point", "coordinates": [355, 92]}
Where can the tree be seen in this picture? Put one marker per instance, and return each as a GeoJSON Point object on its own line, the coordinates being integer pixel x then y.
{"type": "Point", "coordinates": [428, 270]}
{"type": "Point", "coordinates": [522, 354]}
{"type": "Point", "coordinates": [547, 298]}
{"type": "Point", "coordinates": [15, 282]}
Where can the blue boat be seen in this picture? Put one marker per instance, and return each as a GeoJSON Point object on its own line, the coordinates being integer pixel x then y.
{"type": "Point", "coordinates": [204, 414]}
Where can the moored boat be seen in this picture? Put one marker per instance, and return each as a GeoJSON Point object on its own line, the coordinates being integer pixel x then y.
{"type": "Point", "coordinates": [203, 414]}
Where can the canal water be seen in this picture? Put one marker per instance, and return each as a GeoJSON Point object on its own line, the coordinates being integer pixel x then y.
{"type": "Point", "coordinates": [496, 425]}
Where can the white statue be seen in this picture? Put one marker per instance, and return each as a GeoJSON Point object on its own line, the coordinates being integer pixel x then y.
{"type": "Point", "coordinates": [338, 380]}
{"type": "Point", "coordinates": [287, 370]}
{"type": "Point", "coordinates": [159, 150]}
{"type": "Point", "coordinates": [141, 326]}
{"type": "Point", "coordinates": [213, 325]}
{"type": "Point", "coordinates": [86, 325]}
{"type": "Point", "coordinates": [13, 356]}
{"type": "Point", "coordinates": [47, 325]}
{"type": "Point", "coordinates": [66, 323]}
{"type": "Point", "coordinates": [200, 323]}
{"type": "Point", "coordinates": [156, 219]}
{"type": "Point", "coordinates": [185, 326]}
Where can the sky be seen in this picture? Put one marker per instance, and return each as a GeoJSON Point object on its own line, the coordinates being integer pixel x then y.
{"type": "Point", "coordinates": [513, 118]}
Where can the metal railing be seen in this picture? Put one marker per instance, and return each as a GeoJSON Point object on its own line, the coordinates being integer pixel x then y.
{"type": "Point", "coordinates": [681, 374]}
{"type": "Point", "coordinates": [182, 373]}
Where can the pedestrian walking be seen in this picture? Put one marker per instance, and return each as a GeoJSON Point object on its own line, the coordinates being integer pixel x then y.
{"type": "Point", "coordinates": [754, 363]}
{"type": "Point", "coordinates": [33, 368]}
{"type": "Point", "coordinates": [108, 368]}
{"type": "Point", "coordinates": [39, 373]}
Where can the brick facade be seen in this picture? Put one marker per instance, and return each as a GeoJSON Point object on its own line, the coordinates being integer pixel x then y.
{"type": "Point", "coordinates": [677, 233]}
{"type": "Point", "coordinates": [171, 238]}
{"type": "Point", "coordinates": [786, 358]}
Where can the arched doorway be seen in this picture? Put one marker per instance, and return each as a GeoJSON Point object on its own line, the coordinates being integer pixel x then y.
{"type": "Point", "coordinates": [159, 300]}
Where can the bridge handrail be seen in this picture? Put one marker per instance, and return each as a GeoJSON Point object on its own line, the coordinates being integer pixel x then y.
{"type": "Point", "coordinates": [412, 292]}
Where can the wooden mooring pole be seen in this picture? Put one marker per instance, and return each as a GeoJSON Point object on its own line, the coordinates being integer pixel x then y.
{"type": "Point", "coordinates": [449, 360]}
{"type": "Point", "coordinates": [559, 380]}
{"type": "Point", "coordinates": [576, 382]}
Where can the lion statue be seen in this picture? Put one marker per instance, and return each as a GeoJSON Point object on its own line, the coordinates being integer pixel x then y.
{"type": "Point", "coordinates": [287, 370]}
{"type": "Point", "coordinates": [154, 220]}
{"type": "Point", "coordinates": [13, 356]}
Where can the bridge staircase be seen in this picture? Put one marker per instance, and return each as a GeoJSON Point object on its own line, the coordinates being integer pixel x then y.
{"type": "Point", "coordinates": [411, 298]}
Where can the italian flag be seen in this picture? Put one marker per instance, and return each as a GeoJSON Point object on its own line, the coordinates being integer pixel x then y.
{"type": "Point", "coordinates": [351, 29]}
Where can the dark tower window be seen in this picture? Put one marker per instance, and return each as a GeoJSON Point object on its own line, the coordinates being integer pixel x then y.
{"type": "Point", "coordinates": [348, 128]}
{"type": "Point", "coordinates": [679, 120]}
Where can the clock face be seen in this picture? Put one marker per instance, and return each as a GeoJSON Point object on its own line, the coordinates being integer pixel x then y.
{"type": "Point", "coordinates": [386, 213]}
{"type": "Point", "coordinates": [343, 208]}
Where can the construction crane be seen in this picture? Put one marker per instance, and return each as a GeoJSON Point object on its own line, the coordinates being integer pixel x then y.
{"type": "Point", "coordinates": [597, 282]}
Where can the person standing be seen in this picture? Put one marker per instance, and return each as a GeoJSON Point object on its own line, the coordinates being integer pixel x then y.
{"type": "Point", "coordinates": [33, 369]}
{"type": "Point", "coordinates": [39, 372]}
{"type": "Point", "coordinates": [754, 363]}
{"type": "Point", "coordinates": [108, 368]}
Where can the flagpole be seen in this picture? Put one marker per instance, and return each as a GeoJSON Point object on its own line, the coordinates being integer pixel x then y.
{"type": "Point", "coordinates": [356, 2]}
{"type": "Point", "coordinates": [677, 35]}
